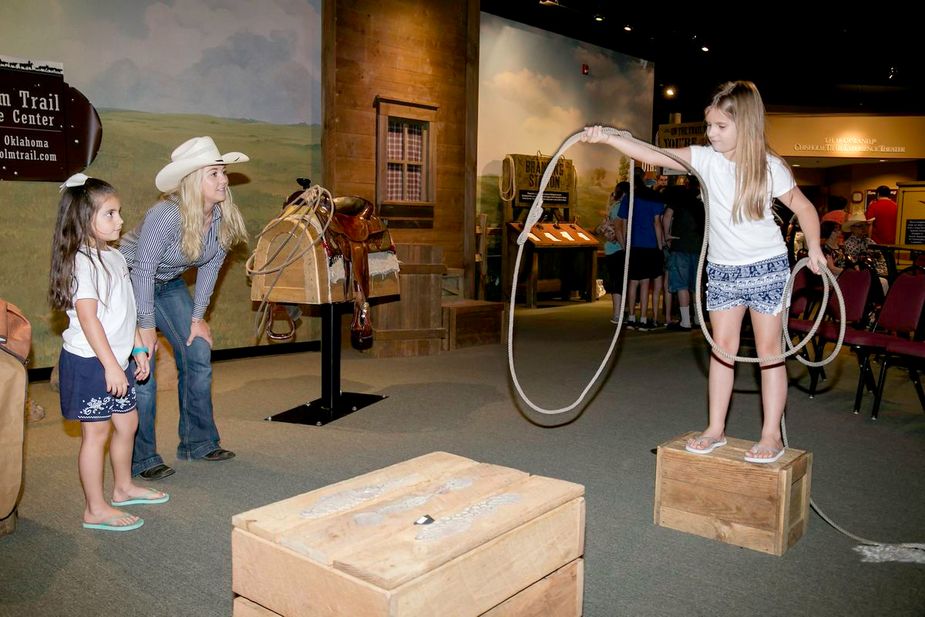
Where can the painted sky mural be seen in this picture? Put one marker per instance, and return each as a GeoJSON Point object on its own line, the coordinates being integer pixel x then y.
{"type": "Point", "coordinates": [533, 95]}
{"type": "Point", "coordinates": [184, 56]}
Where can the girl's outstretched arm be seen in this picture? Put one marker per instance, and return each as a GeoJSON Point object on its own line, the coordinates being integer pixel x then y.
{"type": "Point", "coordinates": [597, 135]}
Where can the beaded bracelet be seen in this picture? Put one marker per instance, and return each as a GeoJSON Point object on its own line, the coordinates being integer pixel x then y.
{"type": "Point", "coordinates": [137, 350]}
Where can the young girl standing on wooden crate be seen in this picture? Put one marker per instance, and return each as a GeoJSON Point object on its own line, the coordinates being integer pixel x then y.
{"type": "Point", "coordinates": [747, 264]}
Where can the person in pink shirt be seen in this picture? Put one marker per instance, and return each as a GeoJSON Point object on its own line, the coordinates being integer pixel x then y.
{"type": "Point", "coordinates": [835, 210]}
{"type": "Point", "coordinates": [883, 211]}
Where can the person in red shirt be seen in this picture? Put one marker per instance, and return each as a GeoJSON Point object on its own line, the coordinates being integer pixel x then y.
{"type": "Point", "coordinates": [883, 210]}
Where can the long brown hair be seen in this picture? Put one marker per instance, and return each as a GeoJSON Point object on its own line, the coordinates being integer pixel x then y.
{"type": "Point", "coordinates": [73, 233]}
{"type": "Point", "coordinates": [741, 101]}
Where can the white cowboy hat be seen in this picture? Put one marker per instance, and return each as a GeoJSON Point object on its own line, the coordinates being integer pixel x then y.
{"type": "Point", "coordinates": [189, 156]}
{"type": "Point", "coordinates": [854, 219]}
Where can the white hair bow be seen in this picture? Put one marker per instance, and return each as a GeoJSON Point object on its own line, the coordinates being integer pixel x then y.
{"type": "Point", "coordinates": [75, 180]}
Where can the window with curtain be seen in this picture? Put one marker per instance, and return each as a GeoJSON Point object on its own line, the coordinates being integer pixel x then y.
{"type": "Point", "coordinates": [405, 164]}
{"type": "Point", "coordinates": [406, 168]}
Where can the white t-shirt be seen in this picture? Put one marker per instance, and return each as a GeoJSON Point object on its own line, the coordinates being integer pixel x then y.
{"type": "Point", "coordinates": [747, 241]}
{"type": "Point", "coordinates": [115, 306]}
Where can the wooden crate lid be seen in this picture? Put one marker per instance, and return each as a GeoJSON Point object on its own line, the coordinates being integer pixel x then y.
{"type": "Point", "coordinates": [733, 451]}
{"type": "Point", "coordinates": [366, 526]}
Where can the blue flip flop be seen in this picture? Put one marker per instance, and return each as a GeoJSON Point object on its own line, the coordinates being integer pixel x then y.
{"type": "Point", "coordinates": [143, 501]}
{"type": "Point", "coordinates": [109, 524]}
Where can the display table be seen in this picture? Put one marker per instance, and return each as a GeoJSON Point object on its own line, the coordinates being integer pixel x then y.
{"type": "Point", "coordinates": [557, 257]}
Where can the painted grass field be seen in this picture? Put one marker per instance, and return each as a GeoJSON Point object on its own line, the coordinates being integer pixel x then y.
{"type": "Point", "coordinates": [135, 146]}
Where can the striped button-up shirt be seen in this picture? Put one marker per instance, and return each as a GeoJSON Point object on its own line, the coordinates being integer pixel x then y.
{"type": "Point", "coordinates": [152, 251]}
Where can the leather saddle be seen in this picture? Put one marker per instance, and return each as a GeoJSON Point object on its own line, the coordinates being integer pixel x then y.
{"type": "Point", "coordinates": [355, 230]}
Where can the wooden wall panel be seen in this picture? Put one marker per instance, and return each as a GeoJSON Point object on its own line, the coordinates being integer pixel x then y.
{"type": "Point", "coordinates": [416, 51]}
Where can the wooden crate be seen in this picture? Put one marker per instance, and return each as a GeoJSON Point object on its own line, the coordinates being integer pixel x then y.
{"type": "Point", "coordinates": [764, 507]}
{"type": "Point", "coordinates": [471, 322]}
{"type": "Point", "coordinates": [245, 608]}
{"type": "Point", "coordinates": [502, 543]}
{"type": "Point", "coordinates": [413, 325]}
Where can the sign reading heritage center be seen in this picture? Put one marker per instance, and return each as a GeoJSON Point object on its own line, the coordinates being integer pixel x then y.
{"type": "Point", "coordinates": [48, 130]}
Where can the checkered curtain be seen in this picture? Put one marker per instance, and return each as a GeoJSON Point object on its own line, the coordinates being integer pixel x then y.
{"type": "Point", "coordinates": [405, 179]}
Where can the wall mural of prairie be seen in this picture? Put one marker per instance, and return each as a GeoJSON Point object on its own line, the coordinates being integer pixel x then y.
{"type": "Point", "coordinates": [533, 96]}
{"type": "Point", "coordinates": [247, 74]}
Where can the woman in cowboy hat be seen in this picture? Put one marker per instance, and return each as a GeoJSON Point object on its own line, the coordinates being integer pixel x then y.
{"type": "Point", "coordinates": [192, 226]}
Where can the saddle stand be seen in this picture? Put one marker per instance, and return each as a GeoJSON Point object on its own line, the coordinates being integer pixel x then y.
{"type": "Point", "coordinates": [337, 240]}
{"type": "Point", "coordinates": [334, 403]}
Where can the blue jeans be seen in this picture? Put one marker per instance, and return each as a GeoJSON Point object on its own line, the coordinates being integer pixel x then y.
{"type": "Point", "coordinates": [173, 312]}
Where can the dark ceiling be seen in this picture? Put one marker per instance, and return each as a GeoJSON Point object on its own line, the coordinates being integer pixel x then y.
{"type": "Point", "coordinates": [802, 60]}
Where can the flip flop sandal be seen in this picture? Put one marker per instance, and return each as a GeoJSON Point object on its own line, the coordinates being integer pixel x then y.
{"type": "Point", "coordinates": [712, 444]}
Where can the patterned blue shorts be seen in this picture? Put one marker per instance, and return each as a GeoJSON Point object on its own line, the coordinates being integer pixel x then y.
{"type": "Point", "coordinates": [759, 286]}
{"type": "Point", "coordinates": [82, 386]}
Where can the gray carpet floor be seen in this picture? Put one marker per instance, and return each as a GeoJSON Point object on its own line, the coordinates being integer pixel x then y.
{"type": "Point", "coordinates": [867, 476]}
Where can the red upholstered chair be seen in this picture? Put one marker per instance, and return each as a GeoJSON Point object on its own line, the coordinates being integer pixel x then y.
{"type": "Point", "coordinates": [910, 354]}
{"type": "Point", "coordinates": [855, 287]}
{"type": "Point", "coordinates": [899, 320]}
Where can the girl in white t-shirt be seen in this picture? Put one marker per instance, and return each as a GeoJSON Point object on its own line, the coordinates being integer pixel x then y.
{"type": "Point", "coordinates": [747, 265]}
{"type": "Point", "coordinates": [90, 280]}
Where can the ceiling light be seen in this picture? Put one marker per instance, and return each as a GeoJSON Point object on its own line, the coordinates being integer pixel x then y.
{"type": "Point", "coordinates": [628, 28]}
{"type": "Point", "coordinates": [549, 2]}
{"type": "Point", "coordinates": [670, 92]}
{"type": "Point", "coordinates": [598, 17]}
{"type": "Point", "coordinates": [704, 48]}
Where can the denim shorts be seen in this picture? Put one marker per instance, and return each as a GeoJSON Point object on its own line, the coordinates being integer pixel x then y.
{"type": "Point", "coordinates": [82, 385]}
{"type": "Point", "coordinates": [759, 286]}
{"type": "Point", "coordinates": [682, 271]}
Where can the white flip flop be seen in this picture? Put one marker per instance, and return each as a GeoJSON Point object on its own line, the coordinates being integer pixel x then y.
{"type": "Point", "coordinates": [714, 444]}
{"type": "Point", "coordinates": [765, 460]}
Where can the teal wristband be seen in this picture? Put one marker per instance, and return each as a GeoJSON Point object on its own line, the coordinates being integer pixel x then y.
{"type": "Point", "coordinates": [136, 350]}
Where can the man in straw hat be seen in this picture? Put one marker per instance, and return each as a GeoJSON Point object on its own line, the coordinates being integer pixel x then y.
{"type": "Point", "coordinates": [193, 226]}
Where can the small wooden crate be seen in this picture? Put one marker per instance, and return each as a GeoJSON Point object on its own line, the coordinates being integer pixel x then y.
{"type": "Point", "coordinates": [764, 507]}
{"type": "Point", "coordinates": [471, 322]}
{"type": "Point", "coordinates": [502, 543]}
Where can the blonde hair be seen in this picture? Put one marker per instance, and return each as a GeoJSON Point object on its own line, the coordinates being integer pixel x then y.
{"type": "Point", "coordinates": [741, 101]}
{"type": "Point", "coordinates": [232, 229]}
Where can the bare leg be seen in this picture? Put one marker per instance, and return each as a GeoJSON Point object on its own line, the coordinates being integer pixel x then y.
{"type": "Point", "coordinates": [643, 300]}
{"type": "Point", "coordinates": [632, 290]}
{"type": "Point", "coordinates": [90, 468]}
{"type": "Point", "coordinates": [668, 298]}
{"type": "Point", "coordinates": [615, 298]}
{"type": "Point", "coordinates": [773, 381]}
{"type": "Point", "coordinates": [656, 290]}
{"type": "Point", "coordinates": [684, 302]}
{"type": "Point", "coordinates": [727, 328]}
{"type": "Point", "coordinates": [120, 455]}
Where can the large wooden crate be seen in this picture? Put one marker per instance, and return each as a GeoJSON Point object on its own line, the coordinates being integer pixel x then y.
{"type": "Point", "coordinates": [471, 322]}
{"type": "Point", "coordinates": [502, 543]}
{"type": "Point", "coordinates": [764, 507]}
{"type": "Point", "coordinates": [413, 325]}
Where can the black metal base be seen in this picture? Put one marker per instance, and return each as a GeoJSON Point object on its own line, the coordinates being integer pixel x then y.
{"type": "Point", "coordinates": [318, 414]}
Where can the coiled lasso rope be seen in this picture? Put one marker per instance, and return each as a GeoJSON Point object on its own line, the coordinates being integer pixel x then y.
{"type": "Point", "coordinates": [872, 550]}
{"type": "Point", "coordinates": [303, 209]}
